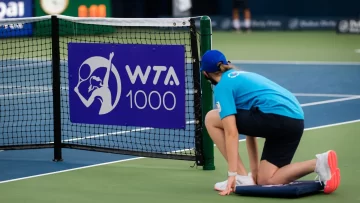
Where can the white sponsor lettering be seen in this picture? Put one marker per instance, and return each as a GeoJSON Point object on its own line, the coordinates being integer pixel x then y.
{"type": "Point", "coordinates": [148, 100]}
{"type": "Point", "coordinates": [12, 9]}
{"type": "Point", "coordinates": [13, 26]}
{"type": "Point", "coordinates": [170, 78]}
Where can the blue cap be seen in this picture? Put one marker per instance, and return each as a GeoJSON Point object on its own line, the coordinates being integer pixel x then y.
{"type": "Point", "coordinates": [210, 60]}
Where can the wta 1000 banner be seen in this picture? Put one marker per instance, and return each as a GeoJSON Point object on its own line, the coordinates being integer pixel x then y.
{"type": "Point", "coordinates": [15, 9]}
{"type": "Point", "coordinates": [127, 84]}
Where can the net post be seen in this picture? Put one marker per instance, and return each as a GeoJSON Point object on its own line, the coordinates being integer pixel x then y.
{"type": "Point", "coordinates": [56, 87]}
{"type": "Point", "coordinates": [207, 98]}
{"type": "Point", "coordinates": [199, 154]}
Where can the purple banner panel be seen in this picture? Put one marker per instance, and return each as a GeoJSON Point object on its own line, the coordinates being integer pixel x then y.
{"type": "Point", "coordinates": [127, 84]}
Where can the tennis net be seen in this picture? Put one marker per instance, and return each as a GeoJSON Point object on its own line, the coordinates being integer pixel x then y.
{"type": "Point", "coordinates": [127, 86]}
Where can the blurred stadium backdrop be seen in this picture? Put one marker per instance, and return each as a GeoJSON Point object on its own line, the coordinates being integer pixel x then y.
{"type": "Point", "coordinates": [265, 15]}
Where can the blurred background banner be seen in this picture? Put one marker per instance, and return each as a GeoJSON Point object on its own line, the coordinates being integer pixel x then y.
{"type": "Point", "coordinates": [15, 9]}
{"type": "Point", "coordinates": [292, 9]}
{"type": "Point", "coordinates": [259, 8]}
{"type": "Point", "coordinates": [76, 8]}
{"type": "Point", "coordinates": [265, 15]}
{"type": "Point", "coordinates": [279, 23]}
{"type": "Point", "coordinates": [351, 26]}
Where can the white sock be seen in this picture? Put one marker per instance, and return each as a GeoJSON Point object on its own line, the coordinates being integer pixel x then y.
{"type": "Point", "coordinates": [236, 24]}
{"type": "Point", "coordinates": [317, 163]}
{"type": "Point", "coordinates": [247, 23]}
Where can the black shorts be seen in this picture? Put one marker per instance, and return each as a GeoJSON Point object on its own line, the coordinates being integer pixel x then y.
{"type": "Point", "coordinates": [282, 134]}
{"type": "Point", "coordinates": [241, 4]}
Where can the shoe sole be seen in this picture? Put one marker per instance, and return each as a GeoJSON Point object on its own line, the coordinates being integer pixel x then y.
{"type": "Point", "coordinates": [334, 182]}
{"type": "Point", "coordinates": [218, 189]}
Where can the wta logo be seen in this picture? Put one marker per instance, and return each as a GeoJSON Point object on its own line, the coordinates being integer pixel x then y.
{"type": "Point", "coordinates": [97, 87]}
{"type": "Point", "coordinates": [116, 84]}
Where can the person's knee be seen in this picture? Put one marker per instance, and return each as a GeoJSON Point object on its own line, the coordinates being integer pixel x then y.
{"type": "Point", "coordinates": [212, 118]}
{"type": "Point", "coordinates": [266, 172]}
{"type": "Point", "coordinates": [265, 181]}
{"type": "Point", "coordinates": [261, 181]}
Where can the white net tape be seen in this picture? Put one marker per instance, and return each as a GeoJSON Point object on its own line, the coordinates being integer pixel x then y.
{"type": "Point", "coordinates": [127, 22]}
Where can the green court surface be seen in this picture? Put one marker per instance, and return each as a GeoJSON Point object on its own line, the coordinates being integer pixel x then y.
{"type": "Point", "coordinates": [289, 46]}
{"type": "Point", "coordinates": [154, 180]}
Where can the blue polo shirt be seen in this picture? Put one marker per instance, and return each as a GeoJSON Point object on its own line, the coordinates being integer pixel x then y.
{"type": "Point", "coordinates": [243, 90]}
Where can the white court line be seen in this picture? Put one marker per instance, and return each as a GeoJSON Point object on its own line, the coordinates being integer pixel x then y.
{"type": "Point", "coordinates": [41, 87]}
{"type": "Point", "coordinates": [131, 159]}
{"type": "Point", "coordinates": [330, 101]}
{"type": "Point", "coordinates": [29, 66]}
{"type": "Point", "coordinates": [46, 89]}
{"type": "Point", "coordinates": [68, 170]}
{"type": "Point", "coordinates": [295, 62]}
{"type": "Point", "coordinates": [116, 133]}
{"type": "Point", "coordinates": [49, 89]}
{"type": "Point", "coordinates": [64, 62]}
{"type": "Point", "coordinates": [20, 94]}
{"type": "Point", "coordinates": [324, 95]}
{"type": "Point", "coordinates": [332, 125]}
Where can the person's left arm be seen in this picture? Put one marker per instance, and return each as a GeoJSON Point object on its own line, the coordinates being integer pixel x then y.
{"type": "Point", "coordinates": [227, 108]}
{"type": "Point", "coordinates": [231, 141]}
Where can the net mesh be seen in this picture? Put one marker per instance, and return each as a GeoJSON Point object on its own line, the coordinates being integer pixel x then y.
{"type": "Point", "coordinates": [25, 85]}
{"type": "Point", "coordinates": [27, 102]}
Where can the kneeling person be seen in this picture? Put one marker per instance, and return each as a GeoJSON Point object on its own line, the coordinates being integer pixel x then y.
{"type": "Point", "coordinates": [255, 106]}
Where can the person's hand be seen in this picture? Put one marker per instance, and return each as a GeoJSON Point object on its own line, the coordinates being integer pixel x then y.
{"type": "Point", "coordinates": [230, 186]}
